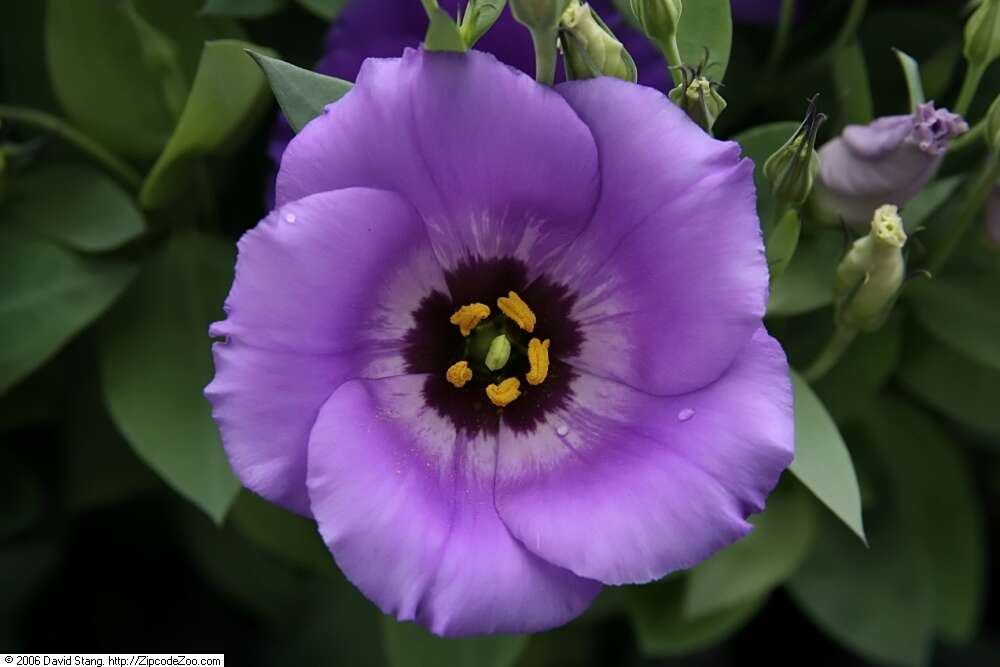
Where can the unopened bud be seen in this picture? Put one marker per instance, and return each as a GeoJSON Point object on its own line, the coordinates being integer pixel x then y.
{"type": "Point", "coordinates": [871, 274]}
{"type": "Point", "coordinates": [793, 168]}
{"type": "Point", "coordinates": [658, 18]}
{"type": "Point", "coordinates": [982, 34]}
{"type": "Point", "coordinates": [541, 15]}
{"type": "Point", "coordinates": [499, 353]}
{"type": "Point", "coordinates": [590, 48]}
{"type": "Point", "coordinates": [699, 97]}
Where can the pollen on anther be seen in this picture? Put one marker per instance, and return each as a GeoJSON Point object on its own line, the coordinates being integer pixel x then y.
{"type": "Point", "coordinates": [468, 317]}
{"type": "Point", "coordinates": [538, 358]}
{"type": "Point", "coordinates": [458, 374]}
{"type": "Point", "coordinates": [514, 307]}
{"type": "Point", "coordinates": [505, 393]}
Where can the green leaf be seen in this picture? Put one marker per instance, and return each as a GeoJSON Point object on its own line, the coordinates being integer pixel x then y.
{"type": "Point", "coordinates": [409, 645]}
{"type": "Point", "coordinates": [854, 94]}
{"type": "Point", "coordinates": [656, 612]}
{"type": "Point", "coordinates": [288, 536]}
{"type": "Point", "coordinates": [76, 205]}
{"type": "Point", "coordinates": [948, 523]}
{"type": "Point", "coordinates": [807, 283]}
{"type": "Point", "coordinates": [920, 209]}
{"type": "Point", "coordinates": [227, 99]}
{"type": "Point", "coordinates": [325, 9]}
{"type": "Point", "coordinates": [443, 33]}
{"type": "Point", "coordinates": [911, 72]}
{"type": "Point", "coordinates": [758, 144]}
{"type": "Point", "coordinates": [97, 69]}
{"type": "Point", "coordinates": [301, 94]}
{"type": "Point", "coordinates": [758, 563]}
{"type": "Point", "coordinates": [155, 361]}
{"type": "Point", "coordinates": [876, 601]}
{"type": "Point", "coordinates": [782, 243]}
{"type": "Point", "coordinates": [822, 461]}
{"type": "Point", "coordinates": [951, 381]}
{"type": "Point", "coordinates": [962, 311]}
{"type": "Point", "coordinates": [50, 293]}
{"type": "Point", "coordinates": [707, 24]}
{"type": "Point", "coordinates": [244, 9]}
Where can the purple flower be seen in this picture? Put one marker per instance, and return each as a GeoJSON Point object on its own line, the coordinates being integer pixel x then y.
{"type": "Point", "coordinates": [887, 161]}
{"type": "Point", "coordinates": [640, 411]}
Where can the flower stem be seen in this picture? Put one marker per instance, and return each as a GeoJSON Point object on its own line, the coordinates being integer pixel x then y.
{"type": "Point", "coordinates": [973, 75]}
{"type": "Point", "coordinates": [70, 134]}
{"type": "Point", "coordinates": [672, 53]}
{"type": "Point", "coordinates": [973, 202]}
{"type": "Point", "coordinates": [972, 136]}
{"type": "Point", "coordinates": [784, 31]}
{"type": "Point", "coordinates": [831, 354]}
{"type": "Point", "coordinates": [545, 55]}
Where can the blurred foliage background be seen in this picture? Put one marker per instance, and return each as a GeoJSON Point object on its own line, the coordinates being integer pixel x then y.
{"type": "Point", "coordinates": [133, 153]}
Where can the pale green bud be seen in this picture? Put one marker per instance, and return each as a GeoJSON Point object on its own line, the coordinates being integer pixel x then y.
{"type": "Point", "coordinates": [982, 34]}
{"type": "Point", "coordinates": [792, 169]}
{"type": "Point", "coordinates": [871, 274]}
{"type": "Point", "coordinates": [541, 15]}
{"type": "Point", "coordinates": [499, 353]}
{"type": "Point", "coordinates": [590, 48]}
{"type": "Point", "coordinates": [659, 18]}
{"type": "Point", "coordinates": [699, 97]}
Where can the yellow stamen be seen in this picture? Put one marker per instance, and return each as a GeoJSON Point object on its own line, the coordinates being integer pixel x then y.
{"type": "Point", "coordinates": [505, 393]}
{"type": "Point", "coordinates": [538, 357]}
{"type": "Point", "coordinates": [459, 373]}
{"type": "Point", "coordinates": [468, 317]}
{"type": "Point", "coordinates": [516, 309]}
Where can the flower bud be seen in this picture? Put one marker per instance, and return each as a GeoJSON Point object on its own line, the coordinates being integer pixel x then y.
{"type": "Point", "coordinates": [699, 97]}
{"type": "Point", "coordinates": [499, 353]}
{"type": "Point", "coordinates": [982, 34]}
{"type": "Point", "coordinates": [792, 169]}
{"type": "Point", "coordinates": [590, 48]}
{"type": "Point", "coordinates": [889, 160]}
{"type": "Point", "coordinates": [659, 18]}
{"type": "Point", "coordinates": [540, 15]}
{"type": "Point", "coordinates": [871, 274]}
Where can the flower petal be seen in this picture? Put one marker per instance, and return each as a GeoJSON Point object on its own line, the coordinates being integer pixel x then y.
{"type": "Point", "coordinates": [495, 163]}
{"type": "Point", "coordinates": [406, 506]}
{"type": "Point", "coordinates": [324, 291]}
{"type": "Point", "coordinates": [625, 487]}
{"type": "Point", "coordinates": [671, 270]}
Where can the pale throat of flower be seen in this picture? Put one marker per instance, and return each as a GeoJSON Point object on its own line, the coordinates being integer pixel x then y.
{"type": "Point", "coordinates": [491, 342]}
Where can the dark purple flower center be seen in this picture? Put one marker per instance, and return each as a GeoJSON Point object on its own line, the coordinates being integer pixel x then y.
{"type": "Point", "coordinates": [434, 345]}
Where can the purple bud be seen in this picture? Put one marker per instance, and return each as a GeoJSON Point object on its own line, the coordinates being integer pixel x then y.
{"type": "Point", "coordinates": [887, 161]}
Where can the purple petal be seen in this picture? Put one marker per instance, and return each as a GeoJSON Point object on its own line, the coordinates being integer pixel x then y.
{"type": "Point", "coordinates": [324, 291]}
{"type": "Point", "coordinates": [624, 487]}
{"type": "Point", "coordinates": [406, 506]}
{"type": "Point", "coordinates": [671, 270]}
{"type": "Point", "coordinates": [495, 163]}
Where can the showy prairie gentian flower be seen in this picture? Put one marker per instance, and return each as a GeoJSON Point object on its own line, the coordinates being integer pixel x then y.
{"type": "Point", "coordinates": [636, 414]}
{"type": "Point", "coordinates": [887, 161]}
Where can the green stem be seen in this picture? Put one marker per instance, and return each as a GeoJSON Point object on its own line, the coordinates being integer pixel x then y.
{"type": "Point", "coordinates": [972, 136]}
{"type": "Point", "coordinates": [545, 55]}
{"type": "Point", "coordinates": [70, 134]}
{"type": "Point", "coordinates": [785, 20]}
{"type": "Point", "coordinates": [850, 26]}
{"type": "Point", "coordinates": [673, 55]}
{"type": "Point", "coordinates": [973, 75]}
{"type": "Point", "coordinates": [831, 354]}
{"type": "Point", "coordinates": [973, 202]}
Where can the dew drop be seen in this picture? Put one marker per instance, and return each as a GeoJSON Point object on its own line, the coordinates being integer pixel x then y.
{"type": "Point", "coordinates": [685, 414]}
{"type": "Point", "coordinates": [290, 217]}
{"type": "Point", "coordinates": [562, 430]}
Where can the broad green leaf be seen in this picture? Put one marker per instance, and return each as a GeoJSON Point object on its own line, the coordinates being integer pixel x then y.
{"type": "Point", "coordinates": [854, 95]}
{"type": "Point", "coordinates": [657, 614]}
{"type": "Point", "coordinates": [948, 523]}
{"type": "Point", "coordinates": [443, 33]}
{"type": "Point", "coordinates": [96, 65]}
{"type": "Point", "coordinates": [877, 601]}
{"type": "Point", "coordinates": [244, 9]}
{"type": "Point", "coordinates": [325, 9]}
{"type": "Point", "coordinates": [706, 24]}
{"type": "Point", "coordinates": [963, 311]}
{"type": "Point", "coordinates": [76, 205]}
{"type": "Point", "coordinates": [758, 144]}
{"type": "Point", "coordinates": [822, 461]}
{"type": "Point", "coordinates": [952, 382]}
{"type": "Point", "coordinates": [286, 535]}
{"type": "Point", "coordinates": [227, 99]}
{"type": "Point", "coordinates": [919, 211]}
{"type": "Point", "coordinates": [409, 645]}
{"type": "Point", "coordinates": [155, 361]}
{"type": "Point", "coordinates": [758, 563]}
{"type": "Point", "coordinates": [911, 73]}
{"type": "Point", "coordinates": [807, 283]}
{"type": "Point", "coordinates": [50, 293]}
{"type": "Point", "coordinates": [301, 94]}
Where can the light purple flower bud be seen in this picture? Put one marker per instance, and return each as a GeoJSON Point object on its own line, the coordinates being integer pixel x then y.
{"type": "Point", "coordinates": [887, 161]}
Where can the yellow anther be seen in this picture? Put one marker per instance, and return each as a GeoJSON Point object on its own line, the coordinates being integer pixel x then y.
{"type": "Point", "coordinates": [468, 317]}
{"type": "Point", "coordinates": [505, 393]}
{"type": "Point", "coordinates": [459, 373]}
{"type": "Point", "coordinates": [516, 309]}
{"type": "Point", "coordinates": [538, 358]}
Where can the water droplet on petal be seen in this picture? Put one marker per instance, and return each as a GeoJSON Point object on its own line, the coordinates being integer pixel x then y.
{"type": "Point", "coordinates": [290, 217]}
{"type": "Point", "coordinates": [562, 430]}
{"type": "Point", "coordinates": [685, 414]}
